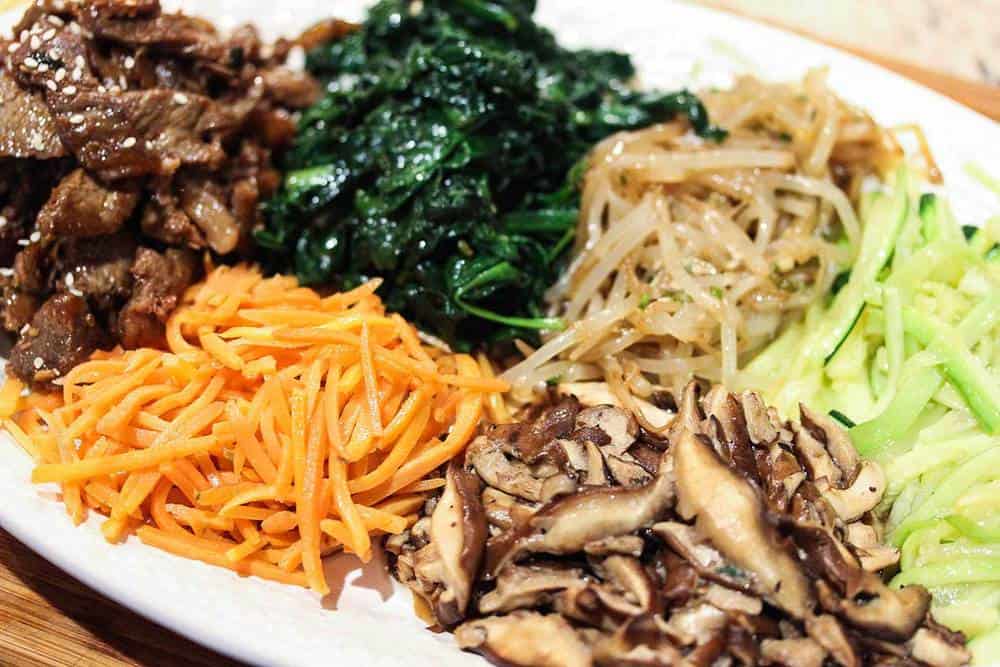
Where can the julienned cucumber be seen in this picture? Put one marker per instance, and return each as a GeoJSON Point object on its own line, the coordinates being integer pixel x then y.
{"type": "Point", "coordinates": [965, 371]}
{"type": "Point", "coordinates": [883, 224]}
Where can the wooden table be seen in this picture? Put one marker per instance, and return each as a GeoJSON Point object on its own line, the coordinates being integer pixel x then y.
{"type": "Point", "coordinates": [48, 618]}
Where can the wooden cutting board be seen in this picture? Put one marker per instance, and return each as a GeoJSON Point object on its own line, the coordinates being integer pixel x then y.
{"type": "Point", "coordinates": [49, 619]}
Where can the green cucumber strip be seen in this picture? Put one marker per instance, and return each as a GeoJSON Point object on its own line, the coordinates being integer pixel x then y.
{"type": "Point", "coordinates": [981, 468]}
{"type": "Point", "coordinates": [983, 317]}
{"type": "Point", "coordinates": [973, 530]}
{"type": "Point", "coordinates": [986, 648]}
{"type": "Point", "coordinates": [875, 436]}
{"type": "Point", "coordinates": [964, 370]}
{"type": "Point", "coordinates": [882, 227]}
{"type": "Point", "coordinates": [958, 571]}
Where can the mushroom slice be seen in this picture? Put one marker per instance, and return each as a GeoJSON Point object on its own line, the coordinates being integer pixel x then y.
{"type": "Point", "coordinates": [874, 556]}
{"type": "Point", "coordinates": [639, 642]}
{"type": "Point", "coordinates": [689, 414]}
{"type": "Point", "coordinates": [628, 575]}
{"type": "Point", "coordinates": [826, 631]}
{"type": "Point", "coordinates": [513, 477]}
{"type": "Point", "coordinates": [877, 609]}
{"type": "Point", "coordinates": [730, 514]}
{"type": "Point", "coordinates": [585, 457]}
{"type": "Point", "coordinates": [860, 497]}
{"type": "Point", "coordinates": [458, 539]}
{"type": "Point", "coordinates": [566, 525]}
{"type": "Point", "coordinates": [523, 587]}
{"type": "Point", "coordinates": [526, 639]}
{"type": "Point", "coordinates": [706, 559]}
{"type": "Point", "coordinates": [837, 442]}
{"type": "Point", "coordinates": [595, 605]}
{"type": "Point", "coordinates": [936, 650]}
{"type": "Point", "coordinates": [625, 545]}
{"type": "Point", "coordinates": [696, 623]}
{"type": "Point", "coordinates": [792, 653]}
{"type": "Point", "coordinates": [593, 394]}
{"type": "Point", "coordinates": [504, 510]}
{"type": "Point", "coordinates": [760, 427]}
{"type": "Point", "coordinates": [619, 426]}
{"type": "Point", "coordinates": [727, 599]}
{"type": "Point", "coordinates": [627, 471]}
{"type": "Point", "coordinates": [486, 455]}
{"type": "Point", "coordinates": [814, 457]}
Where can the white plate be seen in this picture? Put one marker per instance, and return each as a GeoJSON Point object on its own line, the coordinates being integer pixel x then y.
{"type": "Point", "coordinates": [369, 621]}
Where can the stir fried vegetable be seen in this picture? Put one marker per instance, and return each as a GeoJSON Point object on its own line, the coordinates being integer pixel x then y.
{"type": "Point", "coordinates": [918, 374]}
{"type": "Point", "coordinates": [442, 159]}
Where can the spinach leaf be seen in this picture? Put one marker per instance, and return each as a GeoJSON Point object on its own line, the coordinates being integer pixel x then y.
{"type": "Point", "coordinates": [446, 156]}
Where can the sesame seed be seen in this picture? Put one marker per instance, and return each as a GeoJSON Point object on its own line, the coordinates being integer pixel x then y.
{"type": "Point", "coordinates": [13, 46]}
{"type": "Point", "coordinates": [3, 221]}
{"type": "Point", "coordinates": [74, 28]}
{"type": "Point", "coordinates": [129, 142]}
{"type": "Point", "coordinates": [23, 242]}
{"type": "Point", "coordinates": [55, 54]}
{"type": "Point", "coordinates": [180, 98]}
{"type": "Point", "coordinates": [23, 36]}
{"type": "Point", "coordinates": [60, 74]}
{"type": "Point", "coordinates": [77, 73]}
{"type": "Point", "coordinates": [43, 68]}
{"type": "Point", "coordinates": [76, 118]}
{"type": "Point", "coordinates": [38, 363]}
{"type": "Point", "coordinates": [26, 328]}
{"type": "Point", "coordinates": [102, 89]}
{"type": "Point", "coordinates": [35, 237]}
{"type": "Point", "coordinates": [70, 90]}
{"type": "Point", "coordinates": [69, 279]}
{"type": "Point", "coordinates": [35, 43]}
{"type": "Point", "coordinates": [56, 21]}
{"type": "Point", "coordinates": [75, 292]}
{"type": "Point", "coordinates": [49, 34]}
{"type": "Point", "coordinates": [6, 273]}
{"type": "Point", "coordinates": [80, 62]}
{"type": "Point", "coordinates": [30, 63]}
{"type": "Point", "coordinates": [129, 62]}
{"type": "Point", "coordinates": [52, 85]}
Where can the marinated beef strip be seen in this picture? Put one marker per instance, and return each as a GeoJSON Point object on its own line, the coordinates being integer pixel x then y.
{"type": "Point", "coordinates": [132, 140]}
{"type": "Point", "coordinates": [747, 540]}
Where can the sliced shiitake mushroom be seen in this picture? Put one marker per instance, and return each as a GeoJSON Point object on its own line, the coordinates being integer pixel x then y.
{"type": "Point", "coordinates": [566, 525]}
{"type": "Point", "coordinates": [528, 586]}
{"type": "Point", "coordinates": [728, 512]}
{"type": "Point", "coordinates": [449, 564]}
{"type": "Point", "coordinates": [526, 639]}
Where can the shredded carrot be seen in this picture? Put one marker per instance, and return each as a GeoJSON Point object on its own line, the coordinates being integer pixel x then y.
{"type": "Point", "coordinates": [277, 427]}
{"type": "Point", "coordinates": [10, 396]}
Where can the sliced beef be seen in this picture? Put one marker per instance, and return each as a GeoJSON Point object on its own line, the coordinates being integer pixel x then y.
{"type": "Point", "coordinates": [27, 129]}
{"type": "Point", "coordinates": [82, 206]}
{"type": "Point", "coordinates": [173, 32]}
{"type": "Point", "coordinates": [16, 307]}
{"type": "Point", "coordinates": [164, 220]}
{"type": "Point", "coordinates": [205, 204]}
{"type": "Point", "coordinates": [63, 333]}
{"type": "Point", "coordinates": [127, 128]}
{"type": "Point", "coordinates": [160, 281]}
{"type": "Point", "coordinates": [31, 269]}
{"type": "Point", "coordinates": [149, 132]}
{"type": "Point", "coordinates": [98, 269]}
{"type": "Point", "coordinates": [291, 87]}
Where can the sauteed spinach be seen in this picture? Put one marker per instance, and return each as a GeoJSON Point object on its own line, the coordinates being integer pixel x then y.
{"type": "Point", "coordinates": [446, 157]}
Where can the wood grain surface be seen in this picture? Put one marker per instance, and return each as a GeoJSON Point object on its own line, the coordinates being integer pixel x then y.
{"type": "Point", "coordinates": [48, 619]}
